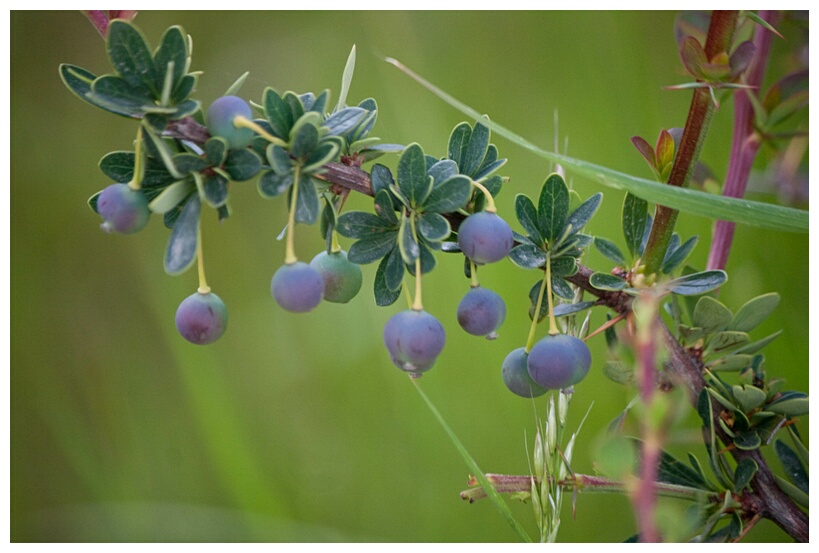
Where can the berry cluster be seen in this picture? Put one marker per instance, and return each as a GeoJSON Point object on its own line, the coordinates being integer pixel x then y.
{"type": "Point", "coordinates": [186, 158]}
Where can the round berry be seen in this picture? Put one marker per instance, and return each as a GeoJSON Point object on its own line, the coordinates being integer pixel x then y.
{"type": "Point", "coordinates": [221, 114]}
{"type": "Point", "coordinates": [123, 209]}
{"type": "Point", "coordinates": [481, 312]}
{"type": "Point", "coordinates": [414, 340]}
{"type": "Point", "coordinates": [559, 361]}
{"type": "Point", "coordinates": [342, 278]}
{"type": "Point", "coordinates": [516, 375]}
{"type": "Point", "coordinates": [297, 287]}
{"type": "Point", "coordinates": [201, 318]}
{"type": "Point", "coordinates": [485, 238]}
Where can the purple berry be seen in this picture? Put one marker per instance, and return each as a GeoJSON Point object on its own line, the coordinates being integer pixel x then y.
{"type": "Point", "coordinates": [485, 238]}
{"type": "Point", "coordinates": [481, 312]}
{"type": "Point", "coordinates": [201, 318]}
{"type": "Point", "coordinates": [297, 287]}
{"type": "Point", "coordinates": [123, 209]}
{"type": "Point", "coordinates": [516, 375]}
{"type": "Point", "coordinates": [414, 340]}
{"type": "Point", "coordinates": [342, 278]}
{"type": "Point", "coordinates": [220, 120]}
{"type": "Point", "coordinates": [559, 361]}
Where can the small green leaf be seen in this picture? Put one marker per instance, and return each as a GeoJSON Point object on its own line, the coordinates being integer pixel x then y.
{"type": "Point", "coordinates": [326, 152]}
{"type": "Point", "coordinates": [394, 270]}
{"type": "Point", "coordinates": [216, 149]}
{"type": "Point", "coordinates": [171, 196]}
{"type": "Point", "coordinates": [527, 256]}
{"type": "Point", "coordinates": [725, 341]}
{"type": "Point", "coordinates": [173, 49]}
{"type": "Point", "coordinates": [293, 102]}
{"type": "Point", "coordinates": [385, 208]}
{"type": "Point", "coordinates": [413, 181]}
{"type": "Point", "coordinates": [793, 492]}
{"type": "Point", "coordinates": [754, 347]}
{"type": "Point", "coordinates": [458, 141]}
{"type": "Point", "coordinates": [674, 259]}
{"type": "Point", "coordinates": [361, 224]}
{"type": "Point", "coordinates": [748, 397]}
{"type": "Point", "coordinates": [564, 267]}
{"type": "Point", "coordinates": [744, 473]}
{"type": "Point", "coordinates": [308, 205]}
{"type": "Point", "coordinates": [181, 251]}
{"type": "Point", "coordinates": [475, 149]}
{"type": "Point", "coordinates": [188, 163]}
{"type": "Point", "coordinates": [279, 159]}
{"type": "Point", "coordinates": [381, 178]}
{"type": "Point", "coordinates": [553, 207]}
{"type": "Point", "coordinates": [562, 289]}
{"type": "Point", "coordinates": [635, 216]}
{"type": "Point", "coordinates": [792, 465]}
{"type": "Point", "coordinates": [696, 284]}
{"type": "Point", "coordinates": [346, 79]}
{"type": "Point", "coordinates": [733, 362]}
{"type": "Point", "coordinates": [754, 312]}
{"type": "Point", "coordinates": [272, 184]}
{"type": "Point", "coordinates": [527, 217]}
{"type": "Point", "coordinates": [242, 164]}
{"type": "Point", "coordinates": [385, 296]}
{"type": "Point", "coordinates": [374, 247]}
{"type": "Point", "coordinates": [131, 58]}
{"type": "Point", "coordinates": [584, 212]}
{"type": "Point", "coordinates": [442, 170]}
{"type": "Point", "coordinates": [433, 226]}
{"type": "Point", "coordinates": [449, 195]}
{"type": "Point", "coordinates": [345, 120]}
{"type": "Point", "coordinates": [711, 315]}
{"type": "Point", "coordinates": [407, 242]}
{"type": "Point", "coordinates": [304, 139]}
{"type": "Point", "coordinates": [790, 404]}
{"type": "Point", "coordinates": [605, 281]}
{"type": "Point", "coordinates": [277, 113]}
{"type": "Point", "coordinates": [673, 471]}
{"type": "Point", "coordinates": [609, 250]}
{"type": "Point", "coordinates": [215, 188]}
{"type": "Point", "coordinates": [566, 309]}
{"type": "Point", "coordinates": [747, 440]}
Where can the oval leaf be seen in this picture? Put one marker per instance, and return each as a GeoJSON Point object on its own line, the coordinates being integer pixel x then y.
{"type": "Point", "coordinates": [754, 312]}
{"type": "Point", "coordinates": [697, 283]}
{"type": "Point", "coordinates": [605, 281]}
{"type": "Point", "coordinates": [181, 251]}
{"type": "Point", "coordinates": [553, 207]}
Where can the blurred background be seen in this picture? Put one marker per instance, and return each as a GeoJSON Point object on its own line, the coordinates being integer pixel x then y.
{"type": "Point", "coordinates": [298, 427]}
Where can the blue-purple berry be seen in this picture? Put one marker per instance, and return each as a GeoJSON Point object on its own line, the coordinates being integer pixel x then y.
{"type": "Point", "coordinates": [481, 312]}
{"type": "Point", "coordinates": [414, 339]}
{"type": "Point", "coordinates": [220, 116]}
{"type": "Point", "coordinates": [485, 238]}
{"type": "Point", "coordinates": [297, 287]}
{"type": "Point", "coordinates": [201, 318]}
{"type": "Point", "coordinates": [559, 361]}
{"type": "Point", "coordinates": [515, 375]}
{"type": "Point", "coordinates": [123, 209]}
{"type": "Point", "coordinates": [342, 278]}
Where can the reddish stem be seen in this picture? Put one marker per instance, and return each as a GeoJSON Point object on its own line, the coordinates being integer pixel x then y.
{"type": "Point", "coordinates": [746, 141]}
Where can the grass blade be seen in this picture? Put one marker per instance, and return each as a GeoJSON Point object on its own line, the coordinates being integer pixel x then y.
{"type": "Point", "coordinates": [500, 504]}
{"type": "Point", "coordinates": [695, 202]}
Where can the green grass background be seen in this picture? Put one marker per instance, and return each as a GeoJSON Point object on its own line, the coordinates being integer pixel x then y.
{"type": "Point", "coordinates": [297, 427]}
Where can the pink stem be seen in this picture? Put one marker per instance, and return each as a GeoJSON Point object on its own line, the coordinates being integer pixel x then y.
{"type": "Point", "coordinates": [745, 143]}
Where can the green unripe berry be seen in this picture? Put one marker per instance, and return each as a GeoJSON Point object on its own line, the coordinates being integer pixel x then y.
{"type": "Point", "coordinates": [342, 278]}
{"type": "Point", "coordinates": [220, 116]}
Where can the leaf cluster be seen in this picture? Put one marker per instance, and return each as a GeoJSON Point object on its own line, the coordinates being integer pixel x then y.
{"type": "Point", "coordinates": [154, 85]}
